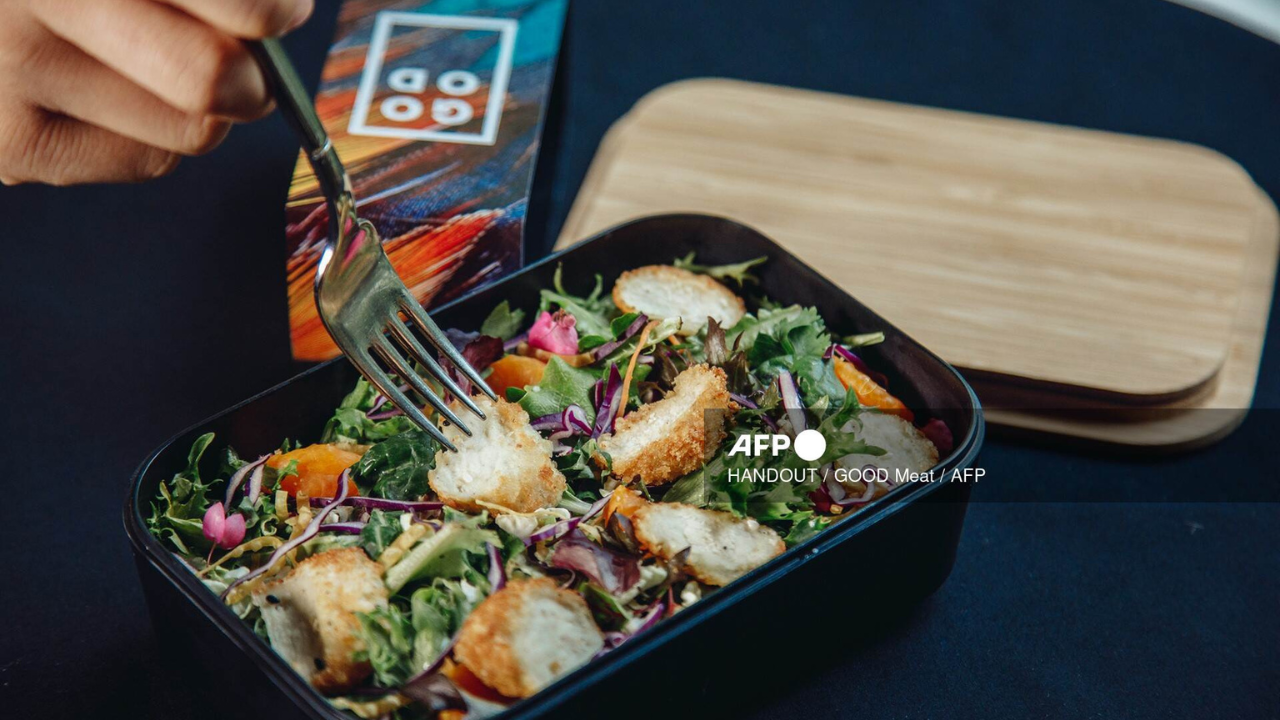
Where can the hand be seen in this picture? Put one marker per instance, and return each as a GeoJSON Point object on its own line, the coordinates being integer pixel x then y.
{"type": "Point", "coordinates": [119, 90]}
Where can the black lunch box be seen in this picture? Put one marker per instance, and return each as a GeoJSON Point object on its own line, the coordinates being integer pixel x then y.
{"type": "Point", "coordinates": [818, 598]}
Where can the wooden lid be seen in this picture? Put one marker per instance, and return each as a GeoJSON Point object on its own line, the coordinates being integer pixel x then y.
{"type": "Point", "coordinates": [1068, 261]}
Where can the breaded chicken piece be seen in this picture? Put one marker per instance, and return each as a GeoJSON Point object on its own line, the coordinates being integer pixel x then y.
{"type": "Point", "coordinates": [906, 448]}
{"type": "Point", "coordinates": [664, 291]}
{"type": "Point", "coordinates": [526, 636]}
{"type": "Point", "coordinates": [722, 546]}
{"type": "Point", "coordinates": [310, 616]}
{"type": "Point", "coordinates": [505, 463]}
{"type": "Point", "coordinates": [674, 436]}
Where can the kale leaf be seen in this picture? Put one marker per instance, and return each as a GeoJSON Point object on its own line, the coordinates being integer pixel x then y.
{"type": "Point", "coordinates": [397, 467]}
{"type": "Point", "coordinates": [381, 530]}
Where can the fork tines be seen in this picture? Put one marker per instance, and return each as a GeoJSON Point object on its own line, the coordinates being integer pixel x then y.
{"type": "Point", "coordinates": [394, 357]}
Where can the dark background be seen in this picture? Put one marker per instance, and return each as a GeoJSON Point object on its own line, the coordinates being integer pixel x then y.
{"type": "Point", "coordinates": [127, 313]}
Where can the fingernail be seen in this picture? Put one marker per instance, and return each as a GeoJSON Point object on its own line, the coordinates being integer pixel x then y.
{"type": "Point", "coordinates": [301, 14]}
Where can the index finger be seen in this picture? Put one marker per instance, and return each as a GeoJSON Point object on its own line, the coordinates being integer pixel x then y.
{"type": "Point", "coordinates": [249, 19]}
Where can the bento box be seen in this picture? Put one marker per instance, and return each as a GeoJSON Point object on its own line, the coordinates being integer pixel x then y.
{"type": "Point", "coordinates": [887, 557]}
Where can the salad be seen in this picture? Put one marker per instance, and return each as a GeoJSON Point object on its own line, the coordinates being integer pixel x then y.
{"type": "Point", "coordinates": [617, 480]}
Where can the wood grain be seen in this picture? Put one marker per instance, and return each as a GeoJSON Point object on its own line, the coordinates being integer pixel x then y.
{"type": "Point", "coordinates": [1204, 418]}
{"type": "Point", "coordinates": [1099, 265]}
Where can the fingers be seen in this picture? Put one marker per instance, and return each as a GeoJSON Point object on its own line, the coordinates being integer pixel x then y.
{"type": "Point", "coordinates": [127, 86]}
{"type": "Point", "coordinates": [78, 86]}
{"type": "Point", "coordinates": [249, 19]}
{"type": "Point", "coordinates": [183, 61]}
{"type": "Point", "coordinates": [39, 146]}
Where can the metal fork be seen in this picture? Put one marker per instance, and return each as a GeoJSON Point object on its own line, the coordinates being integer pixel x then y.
{"type": "Point", "coordinates": [358, 293]}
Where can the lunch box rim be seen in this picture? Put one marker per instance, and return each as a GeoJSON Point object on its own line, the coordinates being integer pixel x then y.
{"type": "Point", "coordinates": [301, 693]}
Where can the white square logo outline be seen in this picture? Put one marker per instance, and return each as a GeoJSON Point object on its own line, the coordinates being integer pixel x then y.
{"type": "Point", "coordinates": [385, 21]}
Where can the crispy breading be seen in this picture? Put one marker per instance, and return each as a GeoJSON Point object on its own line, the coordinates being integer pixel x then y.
{"type": "Point", "coordinates": [722, 547]}
{"type": "Point", "coordinates": [674, 436]}
{"type": "Point", "coordinates": [906, 449]}
{"type": "Point", "coordinates": [505, 463]}
{"type": "Point", "coordinates": [905, 446]}
{"type": "Point", "coordinates": [526, 636]}
{"type": "Point", "coordinates": [311, 620]}
{"type": "Point", "coordinates": [664, 291]}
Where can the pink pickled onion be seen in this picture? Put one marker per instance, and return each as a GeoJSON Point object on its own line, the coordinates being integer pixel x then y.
{"type": "Point", "coordinates": [555, 333]}
{"type": "Point", "coordinates": [222, 530]}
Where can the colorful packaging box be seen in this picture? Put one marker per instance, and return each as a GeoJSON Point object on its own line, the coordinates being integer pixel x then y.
{"type": "Point", "coordinates": [436, 109]}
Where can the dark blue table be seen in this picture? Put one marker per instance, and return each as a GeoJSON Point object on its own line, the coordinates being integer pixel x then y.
{"type": "Point", "coordinates": [1086, 586]}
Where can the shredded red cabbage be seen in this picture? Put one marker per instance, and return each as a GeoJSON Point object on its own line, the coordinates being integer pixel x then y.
{"type": "Point", "coordinates": [379, 417]}
{"type": "Point", "coordinates": [940, 435]}
{"type": "Point", "coordinates": [254, 472]}
{"type": "Point", "coordinates": [564, 527]}
{"type": "Point", "coordinates": [655, 614]}
{"type": "Point", "coordinates": [380, 400]}
{"type": "Point", "coordinates": [434, 691]}
{"type": "Point", "coordinates": [480, 351]}
{"type": "Point", "coordinates": [497, 573]}
{"type": "Point", "coordinates": [832, 494]}
{"type": "Point", "coordinates": [424, 677]}
{"type": "Point", "coordinates": [791, 400]}
{"type": "Point", "coordinates": [878, 377]}
{"type": "Point", "coordinates": [614, 638]}
{"type": "Point", "coordinates": [573, 421]}
{"type": "Point", "coordinates": [607, 349]}
{"type": "Point", "coordinates": [606, 394]}
{"type": "Point", "coordinates": [311, 531]}
{"type": "Point", "coordinates": [552, 532]}
{"type": "Point", "coordinates": [379, 503]}
{"type": "Point", "coordinates": [608, 568]}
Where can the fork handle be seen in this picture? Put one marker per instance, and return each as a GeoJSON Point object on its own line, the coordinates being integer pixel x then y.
{"type": "Point", "coordinates": [300, 113]}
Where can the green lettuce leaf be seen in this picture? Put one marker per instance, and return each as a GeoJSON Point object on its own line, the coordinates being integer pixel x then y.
{"type": "Point", "coordinates": [445, 554]}
{"type": "Point", "coordinates": [381, 530]}
{"type": "Point", "coordinates": [737, 272]}
{"type": "Point", "coordinates": [397, 467]}
{"type": "Point", "coordinates": [259, 517]}
{"type": "Point", "coordinates": [592, 312]}
{"type": "Point", "coordinates": [577, 465]}
{"type": "Point", "coordinates": [351, 423]}
{"type": "Point", "coordinates": [794, 339]}
{"type": "Point", "coordinates": [804, 525]}
{"type": "Point", "coordinates": [774, 322]}
{"type": "Point", "coordinates": [608, 612]}
{"type": "Point", "coordinates": [438, 611]}
{"type": "Point", "coordinates": [562, 385]}
{"type": "Point", "coordinates": [178, 513]}
{"type": "Point", "coordinates": [400, 643]}
{"type": "Point", "coordinates": [503, 322]}
{"type": "Point", "coordinates": [863, 340]}
{"type": "Point", "coordinates": [388, 645]}
{"type": "Point", "coordinates": [817, 379]}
